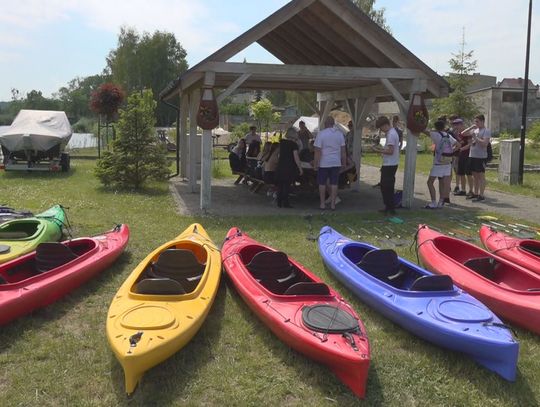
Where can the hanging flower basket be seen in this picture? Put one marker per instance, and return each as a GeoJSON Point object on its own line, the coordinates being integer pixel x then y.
{"type": "Point", "coordinates": [417, 116]}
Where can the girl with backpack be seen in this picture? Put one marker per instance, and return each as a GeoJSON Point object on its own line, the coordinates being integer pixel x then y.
{"type": "Point", "coordinates": [444, 146]}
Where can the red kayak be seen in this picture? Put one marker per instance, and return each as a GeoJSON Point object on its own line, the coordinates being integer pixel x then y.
{"type": "Point", "coordinates": [43, 276]}
{"type": "Point", "coordinates": [525, 252]}
{"type": "Point", "coordinates": [299, 308]}
{"type": "Point", "coordinates": [509, 290]}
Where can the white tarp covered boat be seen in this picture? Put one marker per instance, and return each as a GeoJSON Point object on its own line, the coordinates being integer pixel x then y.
{"type": "Point", "coordinates": [36, 140]}
{"type": "Point", "coordinates": [38, 130]}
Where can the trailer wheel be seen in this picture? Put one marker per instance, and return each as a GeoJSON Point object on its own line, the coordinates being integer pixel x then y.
{"type": "Point", "coordinates": [65, 162]}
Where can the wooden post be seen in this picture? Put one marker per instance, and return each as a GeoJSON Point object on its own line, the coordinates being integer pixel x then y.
{"type": "Point", "coordinates": [361, 112]}
{"type": "Point", "coordinates": [183, 142]}
{"type": "Point", "coordinates": [192, 170]}
{"type": "Point", "coordinates": [411, 152]}
{"type": "Point", "coordinates": [206, 150]}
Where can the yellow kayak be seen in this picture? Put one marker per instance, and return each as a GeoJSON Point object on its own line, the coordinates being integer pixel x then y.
{"type": "Point", "coordinates": [163, 302]}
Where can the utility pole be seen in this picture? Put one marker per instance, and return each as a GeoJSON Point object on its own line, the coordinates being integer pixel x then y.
{"type": "Point", "coordinates": [525, 96]}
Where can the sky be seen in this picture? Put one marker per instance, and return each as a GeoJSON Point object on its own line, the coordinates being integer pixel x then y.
{"type": "Point", "coordinates": [46, 43]}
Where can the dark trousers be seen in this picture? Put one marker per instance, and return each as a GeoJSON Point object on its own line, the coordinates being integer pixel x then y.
{"type": "Point", "coordinates": [388, 181]}
{"type": "Point", "coordinates": [283, 188]}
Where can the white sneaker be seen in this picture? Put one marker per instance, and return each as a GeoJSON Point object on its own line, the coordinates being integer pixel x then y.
{"type": "Point", "coordinates": [440, 204]}
{"type": "Point", "coordinates": [431, 205]}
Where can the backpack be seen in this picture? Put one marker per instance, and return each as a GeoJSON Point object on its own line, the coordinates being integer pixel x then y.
{"type": "Point", "coordinates": [444, 151]}
{"type": "Point", "coordinates": [489, 153]}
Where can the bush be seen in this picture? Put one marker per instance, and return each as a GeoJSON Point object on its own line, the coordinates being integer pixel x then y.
{"type": "Point", "coordinates": [534, 133]}
{"type": "Point", "coordinates": [135, 155]}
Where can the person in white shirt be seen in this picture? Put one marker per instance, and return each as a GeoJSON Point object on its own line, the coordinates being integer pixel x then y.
{"type": "Point", "coordinates": [477, 157]}
{"type": "Point", "coordinates": [250, 138]}
{"type": "Point", "coordinates": [444, 147]}
{"type": "Point", "coordinates": [329, 158]}
{"type": "Point", "coordinates": [390, 156]}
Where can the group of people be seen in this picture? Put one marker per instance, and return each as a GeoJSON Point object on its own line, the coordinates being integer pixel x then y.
{"type": "Point", "coordinates": [281, 164]}
{"type": "Point", "coordinates": [459, 149]}
{"type": "Point", "coordinates": [462, 150]}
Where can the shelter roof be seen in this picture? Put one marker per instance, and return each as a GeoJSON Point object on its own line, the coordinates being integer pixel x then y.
{"type": "Point", "coordinates": [324, 45]}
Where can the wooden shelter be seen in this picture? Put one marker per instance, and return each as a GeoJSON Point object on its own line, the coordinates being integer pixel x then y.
{"type": "Point", "coordinates": [327, 46]}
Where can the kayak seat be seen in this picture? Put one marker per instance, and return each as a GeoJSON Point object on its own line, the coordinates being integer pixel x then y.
{"type": "Point", "coordinates": [52, 255]}
{"type": "Point", "coordinates": [307, 288]}
{"type": "Point", "coordinates": [163, 286]}
{"type": "Point", "coordinates": [13, 235]}
{"type": "Point", "coordinates": [180, 265]}
{"type": "Point", "coordinates": [433, 283]}
{"type": "Point", "coordinates": [384, 265]}
{"type": "Point", "coordinates": [485, 266]}
{"type": "Point", "coordinates": [273, 270]}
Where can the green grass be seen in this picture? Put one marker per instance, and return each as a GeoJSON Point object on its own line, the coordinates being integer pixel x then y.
{"type": "Point", "coordinates": [59, 356]}
{"type": "Point", "coordinates": [424, 161]}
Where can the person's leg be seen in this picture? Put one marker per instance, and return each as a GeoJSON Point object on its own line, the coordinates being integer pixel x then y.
{"type": "Point", "coordinates": [321, 180]}
{"type": "Point", "coordinates": [279, 186]}
{"type": "Point", "coordinates": [476, 182]}
{"type": "Point", "coordinates": [385, 185]}
{"type": "Point", "coordinates": [333, 184]}
{"type": "Point", "coordinates": [285, 196]}
{"type": "Point", "coordinates": [431, 188]}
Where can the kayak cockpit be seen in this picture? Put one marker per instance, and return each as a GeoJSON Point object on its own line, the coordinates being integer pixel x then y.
{"type": "Point", "coordinates": [385, 266]}
{"type": "Point", "coordinates": [273, 270]}
{"type": "Point", "coordinates": [174, 272]}
{"type": "Point", "coordinates": [48, 257]}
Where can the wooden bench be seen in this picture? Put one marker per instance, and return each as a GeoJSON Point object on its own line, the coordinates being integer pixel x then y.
{"type": "Point", "coordinates": [256, 183]}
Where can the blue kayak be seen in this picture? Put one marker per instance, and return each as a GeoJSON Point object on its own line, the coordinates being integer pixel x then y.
{"type": "Point", "coordinates": [430, 306]}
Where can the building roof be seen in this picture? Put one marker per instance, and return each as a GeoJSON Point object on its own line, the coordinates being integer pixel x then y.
{"type": "Point", "coordinates": [324, 45]}
{"type": "Point", "coordinates": [517, 83]}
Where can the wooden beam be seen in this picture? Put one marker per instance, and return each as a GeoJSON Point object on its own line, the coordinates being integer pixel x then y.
{"type": "Point", "coordinates": [183, 146]}
{"type": "Point", "coordinates": [363, 92]}
{"type": "Point", "coordinates": [362, 109]}
{"type": "Point", "coordinates": [206, 149]}
{"type": "Point", "coordinates": [258, 31]}
{"type": "Point", "coordinates": [235, 85]}
{"type": "Point", "coordinates": [395, 93]}
{"type": "Point", "coordinates": [324, 72]}
{"type": "Point", "coordinates": [194, 98]}
{"type": "Point", "coordinates": [284, 41]}
{"type": "Point", "coordinates": [410, 156]}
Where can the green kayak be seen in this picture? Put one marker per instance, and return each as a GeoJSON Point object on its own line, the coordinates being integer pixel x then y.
{"type": "Point", "coordinates": [21, 236]}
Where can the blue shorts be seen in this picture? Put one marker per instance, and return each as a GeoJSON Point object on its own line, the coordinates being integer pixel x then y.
{"type": "Point", "coordinates": [331, 173]}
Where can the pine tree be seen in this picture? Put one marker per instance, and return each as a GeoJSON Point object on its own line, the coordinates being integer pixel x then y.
{"type": "Point", "coordinates": [458, 102]}
{"type": "Point", "coordinates": [135, 155]}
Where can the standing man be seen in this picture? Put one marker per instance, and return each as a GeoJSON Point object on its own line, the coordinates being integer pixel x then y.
{"type": "Point", "coordinates": [390, 156]}
{"type": "Point", "coordinates": [478, 154]}
{"type": "Point", "coordinates": [463, 172]}
{"type": "Point", "coordinates": [329, 158]}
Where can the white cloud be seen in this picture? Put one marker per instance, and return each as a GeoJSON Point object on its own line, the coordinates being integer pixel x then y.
{"type": "Point", "coordinates": [494, 30]}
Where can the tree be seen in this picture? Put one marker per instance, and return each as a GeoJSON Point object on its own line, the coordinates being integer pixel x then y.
{"type": "Point", "coordinates": [368, 7]}
{"type": "Point", "coordinates": [458, 102]}
{"type": "Point", "coordinates": [147, 61]}
{"type": "Point", "coordinates": [263, 113]}
{"type": "Point", "coordinates": [136, 156]}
